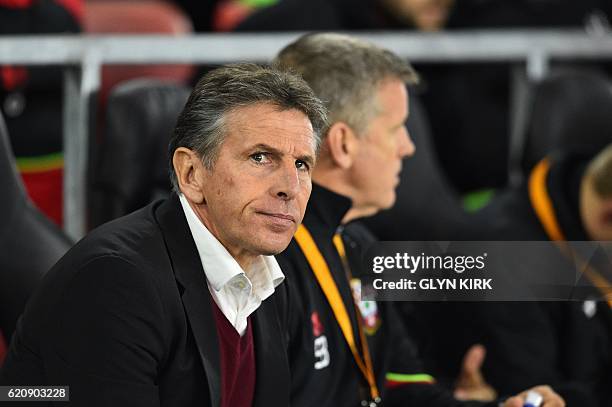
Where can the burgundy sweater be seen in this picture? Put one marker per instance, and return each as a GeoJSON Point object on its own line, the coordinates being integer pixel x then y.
{"type": "Point", "coordinates": [2, 348]}
{"type": "Point", "coordinates": [237, 362]}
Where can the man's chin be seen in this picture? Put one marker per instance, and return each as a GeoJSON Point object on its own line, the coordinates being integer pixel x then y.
{"type": "Point", "coordinates": [385, 207]}
{"type": "Point", "coordinates": [275, 246]}
{"type": "Point", "coordinates": [387, 204]}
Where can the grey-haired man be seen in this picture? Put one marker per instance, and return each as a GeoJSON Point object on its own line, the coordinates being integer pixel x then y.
{"type": "Point", "coordinates": [172, 305]}
{"type": "Point", "coordinates": [343, 351]}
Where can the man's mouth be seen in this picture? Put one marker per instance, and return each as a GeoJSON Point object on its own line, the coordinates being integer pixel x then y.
{"type": "Point", "coordinates": [279, 219]}
{"type": "Point", "coordinates": [285, 216]}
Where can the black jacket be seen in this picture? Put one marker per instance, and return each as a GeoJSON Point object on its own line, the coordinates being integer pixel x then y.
{"type": "Point", "coordinates": [125, 319]}
{"type": "Point", "coordinates": [327, 375]}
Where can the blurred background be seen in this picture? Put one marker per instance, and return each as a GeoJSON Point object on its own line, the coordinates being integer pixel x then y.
{"type": "Point", "coordinates": [503, 84]}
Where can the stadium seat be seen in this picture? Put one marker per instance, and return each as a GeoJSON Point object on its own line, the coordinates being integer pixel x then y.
{"type": "Point", "coordinates": [137, 17]}
{"type": "Point", "coordinates": [571, 110]}
{"type": "Point", "coordinates": [30, 243]}
{"type": "Point", "coordinates": [132, 168]}
{"type": "Point", "coordinates": [229, 13]}
{"type": "Point", "coordinates": [42, 177]}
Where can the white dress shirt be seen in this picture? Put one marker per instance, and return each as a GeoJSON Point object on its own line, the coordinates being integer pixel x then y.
{"type": "Point", "coordinates": [237, 293]}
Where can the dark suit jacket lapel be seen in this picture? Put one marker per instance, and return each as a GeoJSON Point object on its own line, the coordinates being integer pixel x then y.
{"type": "Point", "coordinates": [196, 297]}
{"type": "Point", "coordinates": [272, 366]}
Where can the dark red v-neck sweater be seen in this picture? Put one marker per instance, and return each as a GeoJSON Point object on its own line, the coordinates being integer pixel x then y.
{"type": "Point", "coordinates": [2, 348]}
{"type": "Point", "coordinates": [237, 362]}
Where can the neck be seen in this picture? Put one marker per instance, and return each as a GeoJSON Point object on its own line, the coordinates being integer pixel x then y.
{"type": "Point", "coordinates": [335, 180]}
{"type": "Point", "coordinates": [244, 261]}
{"type": "Point", "coordinates": [243, 257]}
{"type": "Point", "coordinates": [356, 213]}
{"type": "Point", "coordinates": [332, 178]}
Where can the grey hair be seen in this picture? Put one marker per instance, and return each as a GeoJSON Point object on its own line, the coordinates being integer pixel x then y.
{"type": "Point", "coordinates": [345, 73]}
{"type": "Point", "coordinates": [201, 126]}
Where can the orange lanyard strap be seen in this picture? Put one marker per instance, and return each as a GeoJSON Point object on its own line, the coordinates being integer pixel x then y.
{"type": "Point", "coordinates": [544, 210]}
{"type": "Point", "coordinates": [322, 273]}
{"type": "Point", "coordinates": [364, 343]}
{"type": "Point", "coordinates": [392, 379]}
{"type": "Point", "coordinates": [339, 244]}
{"type": "Point", "coordinates": [540, 200]}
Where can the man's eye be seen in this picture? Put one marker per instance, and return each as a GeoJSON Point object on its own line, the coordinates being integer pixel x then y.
{"type": "Point", "coordinates": [259, 157]}
{"type": "Point", "coordinates": [301, 165]}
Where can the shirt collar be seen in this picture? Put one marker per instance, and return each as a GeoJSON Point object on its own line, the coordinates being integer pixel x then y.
{"type": "Point", "coordinates": [219, 265]}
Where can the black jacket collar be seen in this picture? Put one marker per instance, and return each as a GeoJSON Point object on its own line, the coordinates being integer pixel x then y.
{"type": "Point", "coordinates": [326, 208]}
{"type": "Point", "coordinates": [190, 276]}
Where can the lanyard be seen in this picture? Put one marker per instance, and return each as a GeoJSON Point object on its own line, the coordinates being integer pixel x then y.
{"type": "Point", "coordinates": [543, 207]}
{"type": "Point", "coordinates": [322, 273]}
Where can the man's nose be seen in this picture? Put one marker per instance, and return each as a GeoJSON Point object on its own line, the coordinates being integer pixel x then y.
{"type": "Point", "coordinates": [287, 184]}
{"type": "Point", "coordinates": [406, 145]}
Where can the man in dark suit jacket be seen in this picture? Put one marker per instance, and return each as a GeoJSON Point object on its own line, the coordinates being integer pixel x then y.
{"type": "Point", "coordinates": [165, 307]}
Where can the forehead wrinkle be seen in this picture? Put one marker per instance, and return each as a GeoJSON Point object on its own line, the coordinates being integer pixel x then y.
{"type": "Point", "coordinates": [240, 120]}
{"type": "Point", "coordinates": [264, 112]}
{"type": "Point", "coordinates": [260, 120]}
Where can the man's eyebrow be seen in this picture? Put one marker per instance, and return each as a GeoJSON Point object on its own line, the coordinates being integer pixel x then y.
{"type": "Point", "coordinates": [267, 148]}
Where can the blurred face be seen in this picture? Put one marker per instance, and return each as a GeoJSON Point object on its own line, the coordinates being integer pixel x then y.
{"type": "Point", "coordinates": [426, 15]}
{"type": "Point", "coordinates": [596, 213]}
{"type": "Point", "coordinates": [380, 150]}
{"type": "Point", "coordinates": [256, 194]}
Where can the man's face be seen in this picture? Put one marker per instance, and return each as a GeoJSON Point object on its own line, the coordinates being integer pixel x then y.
{"type": "Point", "coordinates": [256, 194]}
{"type": "Point", "coordinates": [426, 15]}
{"type": "Point", "coordinates": [381, 148]}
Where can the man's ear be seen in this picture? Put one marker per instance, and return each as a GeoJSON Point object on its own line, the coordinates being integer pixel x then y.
{"type": "Point", "coordinates": [188, 168]}
{"type": "Point", "coordinates": [341, 142]}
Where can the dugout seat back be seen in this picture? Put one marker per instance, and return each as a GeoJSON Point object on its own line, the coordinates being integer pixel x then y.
{"type": "Point", "coordinates": [571, 111]}
{"type": "Point", "coordinates": [132, 168]}
{"type": "Point", "coordinates": [30, 243]}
